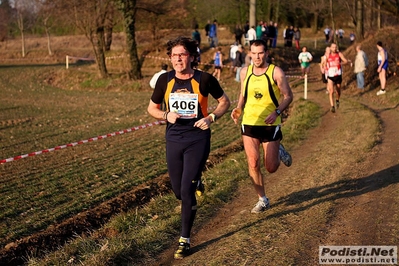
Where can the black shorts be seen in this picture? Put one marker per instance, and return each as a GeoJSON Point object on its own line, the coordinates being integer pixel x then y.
{"type": "Point", "coordinates": [262, 133]}
{"type": "Point", "coordinates": [218, 67]}
{"type": "Point", "coordinates": [336, 79]}
{"type": "Point", "coordinates": [323, 78]}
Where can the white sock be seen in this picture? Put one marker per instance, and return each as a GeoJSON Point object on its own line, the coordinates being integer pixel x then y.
{"type": "Point", "coordinates": [264, 198]}
{"type": "Point", "coordinates": [184, 239]}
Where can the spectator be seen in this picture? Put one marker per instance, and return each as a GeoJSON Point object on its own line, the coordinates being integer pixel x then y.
{"type": "Point", "coordinates": [352, 37]}
{"type": "Point", "coordinates": [276, 35]}
{"type": "Point", "coordinates": [327, 34]}
{"type": "Point", "coordinates": [285, 35]}
{"type": "Point", "coordinates": [238, 33]}
{"type": "Point", "coordinates": [154, 79]}
{"type": "Point", "coordinates": [213, 34]}
{"type": "Point", "coordinates": [341, 33]}
{"type": "Point", "coordinates": [233, 53]}
{"type": "Point", "coordinates": [196, 36]}
{"type": "Point", "coordinates": [271, 33]}
{"type": "Point", "coordinates": [361, 63]}
{"type": "Point", "coordinates": [252, 34]}
{"type": "Point", "coordinates": [207, 29]}
{"type": "Point", "coordinates": [239, 61]}
{"type": "Point", "coordinates": [297, 38]}
{"type": "Point", "coordinates": [246, 29]}
{"type": "Point", "coordinates": [259, 30]}
{"type": "Point", "coordinates": [289, 34]}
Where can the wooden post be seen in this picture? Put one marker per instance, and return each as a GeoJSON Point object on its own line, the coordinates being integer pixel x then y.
{"type": "Point", "coordinates": [306, 87]}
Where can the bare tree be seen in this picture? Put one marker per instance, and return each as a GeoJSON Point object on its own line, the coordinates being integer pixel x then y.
{"type": "Point", "coordinates": [129, 11]}
{"type": "Point", "coordinates": [89, 18]}
{"type": "Point", "coordinates": [359, 20]}
{"type": "Point", "coordinates": [47, 14]}
{"type": "Point", "coordinates": [24, 10]}
{"type": "Point", "coordinates": [5, 11]}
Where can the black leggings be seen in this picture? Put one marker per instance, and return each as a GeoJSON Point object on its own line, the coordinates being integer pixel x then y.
{"type": "Point", "coordinates": [186, 160]}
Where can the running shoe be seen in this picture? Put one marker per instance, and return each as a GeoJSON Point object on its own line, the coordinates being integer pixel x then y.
{"type": "Point", "coordinates": [337, 103]}
{"type": "Point", "coordinates": [261, 206]}
{"type": "Point", "coordinates": [381, 92]}
{"type": "Point", "coordinates": [200, 188]}
{"type": "Point", "coordinates": [285, 157]}
{"type": "Point", "coordinates": [183, 250]}
{"type": "Point", "coordinates": [332, 109]}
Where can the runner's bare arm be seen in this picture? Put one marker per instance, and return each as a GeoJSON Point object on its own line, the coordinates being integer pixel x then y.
{"type": "Point", "coordinates": [236, 113]}
{"type": "Point", "coordinates": [284, 87]}
{"type": "Point", "coordinates": [343, 58]}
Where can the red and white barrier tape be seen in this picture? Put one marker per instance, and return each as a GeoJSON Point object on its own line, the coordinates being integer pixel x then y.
{"type": "Point", "coordinates": [81, 142]}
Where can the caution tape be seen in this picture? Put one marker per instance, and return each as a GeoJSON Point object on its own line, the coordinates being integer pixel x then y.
{"type": "Point", "coordinates": [73, 144]}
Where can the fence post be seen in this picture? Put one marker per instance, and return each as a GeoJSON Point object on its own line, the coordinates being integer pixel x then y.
{"type": "Point", "coordinates": [67, 62]}
{"type": "Point", "coordinates": [306, 87]}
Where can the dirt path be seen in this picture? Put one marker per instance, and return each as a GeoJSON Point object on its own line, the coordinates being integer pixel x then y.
{"type": "Point", "coordinates": [363, 208]}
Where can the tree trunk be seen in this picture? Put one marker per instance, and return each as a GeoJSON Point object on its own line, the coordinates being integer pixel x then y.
{"type": "Point", "coordinates": [109, 24]}
{"type": "Point", "coordinates": [23, 43]}
{"type": "Point", "coordinates": [99, 49]}
{"type": "Point", "coordinates": [359, 20]}
{"type": "Point", "coordinates": [108, 38]}
{"type": "Point", "coordinates": [332, 22]}
{"type": "Point", "coordinates": [128, 8]}
{"type": "Point", "coordinates": [252, 13]}
{"type": "Point", "coordinates": [379, 17]}
{"type": "Point", "coordinates": [21, 29]}
{"type": "Point", "coordinates": [315, 22]}
{"type": "Point", "coordinates": [277, 11]}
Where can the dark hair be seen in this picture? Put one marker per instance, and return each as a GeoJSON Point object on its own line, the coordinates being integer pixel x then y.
{"type": "Point", "coordinates": [258, 42]}
{"type": "Point", "coordinates": [379, 43]}
{"type": "Point", "coordinates": [164, 66]}
{"type": "Point", "coordinates": [189, 44]}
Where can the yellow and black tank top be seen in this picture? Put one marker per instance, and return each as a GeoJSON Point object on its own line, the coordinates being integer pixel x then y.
{"type": "Point", "coordinates": [261, 96]}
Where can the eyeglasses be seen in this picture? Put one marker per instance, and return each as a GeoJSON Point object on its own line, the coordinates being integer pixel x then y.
{"type": "Point", "coordinates": [181, 55]}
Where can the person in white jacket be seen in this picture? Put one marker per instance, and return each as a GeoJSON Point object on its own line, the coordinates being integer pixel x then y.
{"type": "Point", "coordinates": [154, 78]}
{"type": "Point", "coordinates": [361, 63]}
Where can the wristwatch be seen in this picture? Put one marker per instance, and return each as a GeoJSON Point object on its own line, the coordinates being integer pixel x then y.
{"type": "Point", "coordinates": [278, 112]}
{"type": "Point", "coordinates": [213, 117]}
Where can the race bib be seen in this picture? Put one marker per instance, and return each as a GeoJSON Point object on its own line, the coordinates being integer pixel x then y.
{"type": "Point", "coordinates": [334, 71]}
{"type": "Point", "coordinates": [185, 104]}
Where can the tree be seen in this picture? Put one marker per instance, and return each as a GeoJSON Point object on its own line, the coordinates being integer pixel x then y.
{"type": "Point", "coordinates": [89, 18]}
{"type": "Point", "coordinates": [359, 20]}
{"type": "Point", "coordinates": [24, 17]}
{"type": "Point", "coordinates": [129, 11]}
{"type": "Point", "coordinates": [5, 11]}
{"type": "Point", "coordinates": [47, 15]}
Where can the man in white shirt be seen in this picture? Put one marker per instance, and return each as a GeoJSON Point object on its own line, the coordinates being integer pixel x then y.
{"type": "Point", "coordinates": [252, 34]}
{"type": "Point", "coordinates": [154, 78]}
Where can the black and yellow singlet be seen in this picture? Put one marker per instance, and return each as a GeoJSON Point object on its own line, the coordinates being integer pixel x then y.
{"type": "Point", "coordinates": [259, 102]}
